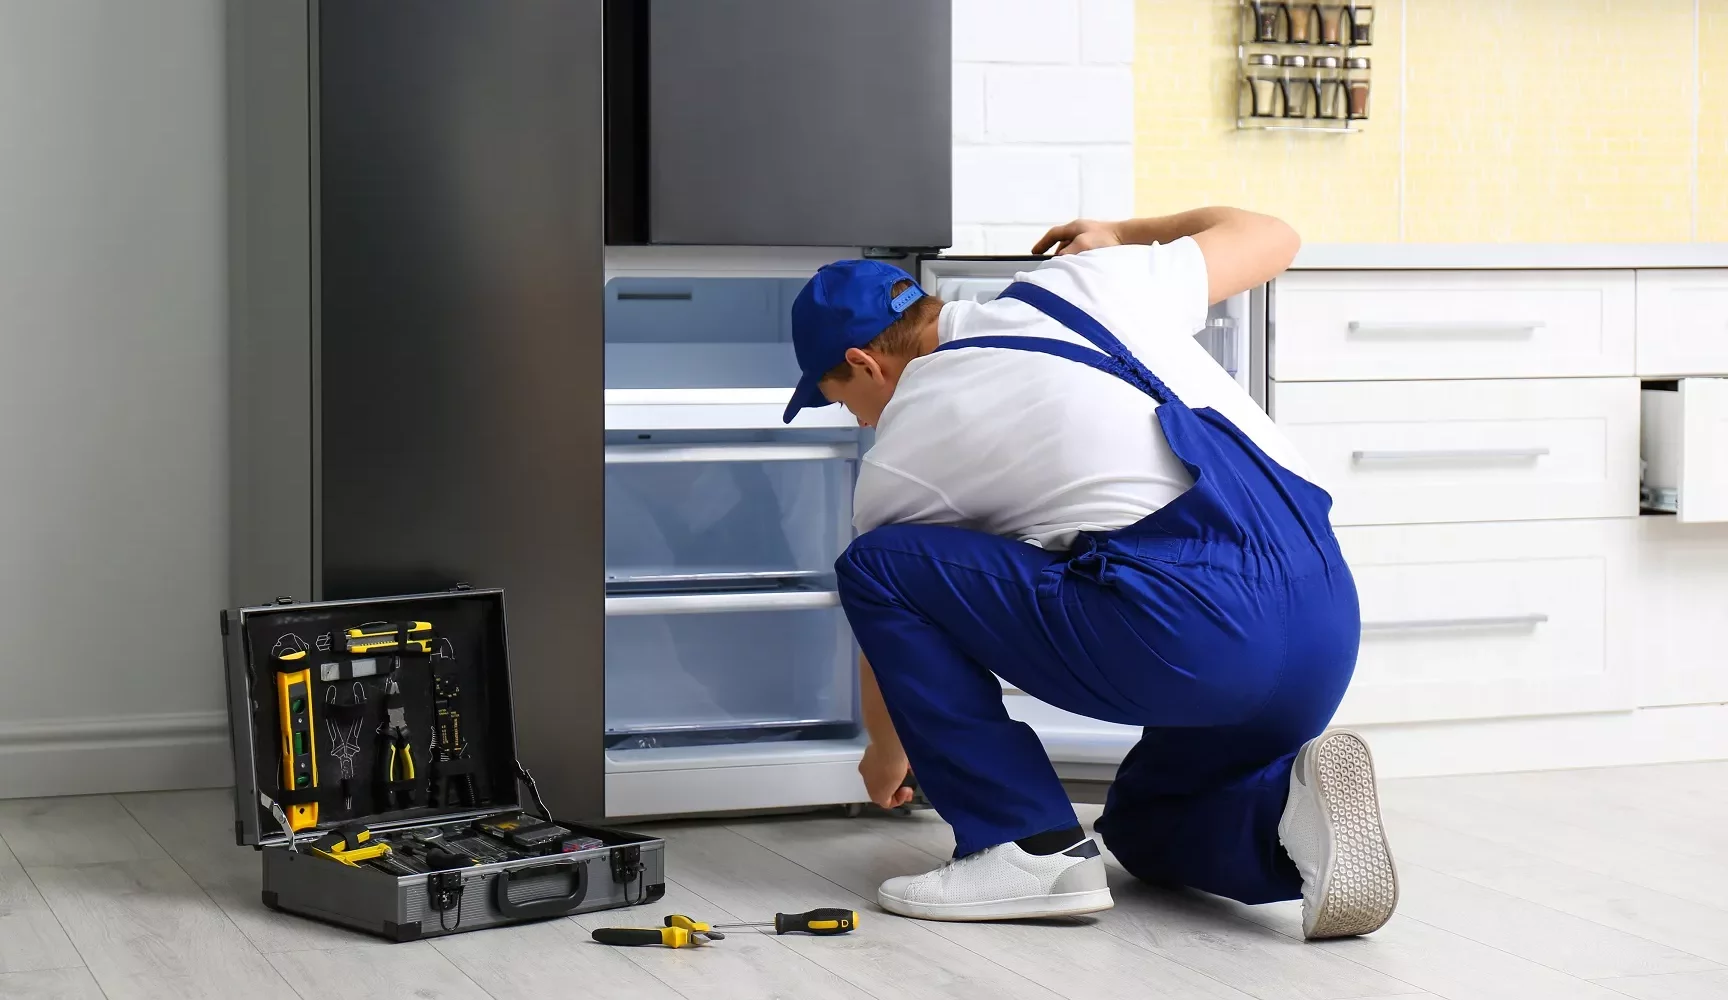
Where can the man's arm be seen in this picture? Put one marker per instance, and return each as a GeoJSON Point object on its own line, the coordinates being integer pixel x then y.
{"type": "Point", "coordinates": [884, 767]}
{"type": "Point", "coordinates": [1242, 249]}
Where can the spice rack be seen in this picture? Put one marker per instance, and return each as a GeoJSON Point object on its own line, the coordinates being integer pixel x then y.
{"type": "Point", "coordinates": [1299, 66]}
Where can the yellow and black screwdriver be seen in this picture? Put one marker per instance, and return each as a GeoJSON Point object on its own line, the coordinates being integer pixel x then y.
{"type": "Point", "coordinates": [823, 920]}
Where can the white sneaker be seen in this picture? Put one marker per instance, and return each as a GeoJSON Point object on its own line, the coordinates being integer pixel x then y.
{"type": "Point", "coordinates": [1004, 883]}
{"type": "Point", "coordinates": [1331, 829]}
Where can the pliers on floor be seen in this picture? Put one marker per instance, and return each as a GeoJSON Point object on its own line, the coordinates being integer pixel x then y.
{"type": "Point", "coordinates": [680, 932]}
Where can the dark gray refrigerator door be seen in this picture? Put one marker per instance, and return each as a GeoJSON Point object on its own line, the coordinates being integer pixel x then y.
{"type": "Point", "coordinates": [460, 356]}
{"type": "Point", "coordinates": [799, 122]}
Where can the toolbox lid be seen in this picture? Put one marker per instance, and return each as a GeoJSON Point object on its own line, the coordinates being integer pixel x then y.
{"type": "Point", "coordinates": [359, 680]}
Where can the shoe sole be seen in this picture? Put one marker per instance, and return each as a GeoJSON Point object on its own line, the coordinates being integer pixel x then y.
{"type": "Point", "coordinates": [1359, 883]}
{"type": "Point", "coordinates": [1070, 904]}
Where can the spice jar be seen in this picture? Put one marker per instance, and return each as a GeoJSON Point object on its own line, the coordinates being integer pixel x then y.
{"type": "Point", "coordinates": [1265, 81]}
{"type": "Point", "coordinates": [1329, 87]}
{"type": "Point", "coordinates": [1356, 84]}
{"type": "Point", "coordinates": [1304, 22]}
{"type": "Point", "coordinates": [1361, 24]}
{"type": "Point", "coordinates": [1267, 20]}
{"type": "Point", "coordinates": [1298, 87]}
{"type": "Point", "coordinates": [1332, 23]}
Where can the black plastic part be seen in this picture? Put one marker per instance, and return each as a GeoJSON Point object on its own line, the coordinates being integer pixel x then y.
{"type": "Point", "coordinates": [269, 899]}
{"type": "Point", "coordinates": [444, 891]}
{"type": "Point", "coordinates": [626, 864]}
{"type": "Point", "coordinates": [402, 933]}
{"type": "Point", "coordinates": [555, 906]}
{"type": "Point", "coordinates": [628, 937]}
{"type": "Point", "coordinates": [223, 621]}
{"type": "Point", "coordinates": [653, 893]}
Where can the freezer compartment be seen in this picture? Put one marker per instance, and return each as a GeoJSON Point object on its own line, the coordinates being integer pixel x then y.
{"type": "Point", "coordinates": [745, 510]}
{"type": "Point", "coordinates": [700, 333]}
{"type": "Point", "coordinates": [725, 668]}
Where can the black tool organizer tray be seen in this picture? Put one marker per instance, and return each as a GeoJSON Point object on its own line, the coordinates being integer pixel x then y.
{"type": "Point", "coordinates": [431, 672]}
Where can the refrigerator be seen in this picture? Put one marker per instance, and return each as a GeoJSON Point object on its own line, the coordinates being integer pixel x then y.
{"type": "Point", "coordinates": [731, 675]}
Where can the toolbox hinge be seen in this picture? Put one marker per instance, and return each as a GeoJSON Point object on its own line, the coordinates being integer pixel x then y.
{"type": "Point", "coordinates": [528, 782]}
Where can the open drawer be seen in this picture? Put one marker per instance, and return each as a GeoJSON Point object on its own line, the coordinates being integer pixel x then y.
{"type": "Point", "coordinates": [702, 669]}
{"type": "Point", "coordinates": [1684, 439]}
{"type": "Point", "coordinates": [725, 514]}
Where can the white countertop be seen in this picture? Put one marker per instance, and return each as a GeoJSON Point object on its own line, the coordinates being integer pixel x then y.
{"type": "Point", "coordinates": [1507, 256]}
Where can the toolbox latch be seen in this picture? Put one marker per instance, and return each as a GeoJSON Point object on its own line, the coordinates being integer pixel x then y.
{"type": "Point", "coordinates": [626, 864]}
{"type": "Point", "coordinates": [443, 894]}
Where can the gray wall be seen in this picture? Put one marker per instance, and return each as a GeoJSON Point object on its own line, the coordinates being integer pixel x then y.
{"type": "Point", "coordinates": [113, 482]}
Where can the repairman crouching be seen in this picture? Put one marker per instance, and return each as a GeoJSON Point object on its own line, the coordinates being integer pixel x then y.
{"type": "Point", "coordinates": [1068, 493]}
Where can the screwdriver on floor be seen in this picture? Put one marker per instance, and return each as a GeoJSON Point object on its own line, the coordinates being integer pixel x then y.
{"type": "Point", "coordinates": [823, 920]}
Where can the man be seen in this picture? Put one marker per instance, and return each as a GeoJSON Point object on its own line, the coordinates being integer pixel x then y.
{"type": "Point", "coordinates": [1068, 493]}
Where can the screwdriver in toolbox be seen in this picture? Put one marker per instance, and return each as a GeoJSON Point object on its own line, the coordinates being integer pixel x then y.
{"type": "Point", "coordinates": [823, 920]}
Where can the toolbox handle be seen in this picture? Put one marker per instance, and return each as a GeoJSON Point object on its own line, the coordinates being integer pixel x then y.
{"type": "Point", "coordinates": [556, 906]}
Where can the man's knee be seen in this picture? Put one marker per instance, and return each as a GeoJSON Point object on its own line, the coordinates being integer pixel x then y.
{"type": "Point", "coordinates": [864, 563]}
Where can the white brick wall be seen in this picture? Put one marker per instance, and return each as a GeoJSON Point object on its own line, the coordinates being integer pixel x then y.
{"type": "Point", "coordinates": [1043, 117]}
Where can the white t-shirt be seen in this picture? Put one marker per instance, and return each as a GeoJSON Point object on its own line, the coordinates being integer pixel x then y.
{"type": "Point", "coordinates": [1040, 448]}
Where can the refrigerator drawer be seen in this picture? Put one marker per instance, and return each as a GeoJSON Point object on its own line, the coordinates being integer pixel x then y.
{"type": "Point", "coordinates": [702, 669]}
{"type": "Point", "coordinates": [709, 516]}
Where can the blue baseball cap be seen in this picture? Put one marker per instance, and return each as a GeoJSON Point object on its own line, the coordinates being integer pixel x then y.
{"type": "Point", "coordinates": [847, 304]}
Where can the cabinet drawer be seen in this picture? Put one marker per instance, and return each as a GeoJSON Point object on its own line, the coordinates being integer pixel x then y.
{"type": "Point", "coordinates": [1685, 446]}
{"type": "Point", "coordinates": [1488, 620]}
{"type": "Point", "coordinates": [1350, 325]}
{"type": "Point", "coordinates": [1683, 322]}
{"type": "Point", "coordinates": [730, 514]}
{"type": "Point", "coordinates": [703, 669]}
{"type": "Point", "coordinates": [1407, 452]}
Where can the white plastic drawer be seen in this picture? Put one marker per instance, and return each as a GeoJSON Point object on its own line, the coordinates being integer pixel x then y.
{"type": "Point", "coordinates": [1489, 620]}
{"type": "Point", "coordinates": [1683, 322]}
{"type": "Point", "coordinates": [728, 663]}
{"type": "Point", "coordinates": [1350, 325]}
{"type": "Point", "coordinates": [700, 516]}
{"type": "Point", "coordinates": [1409, 452]}
{"type": "Point", "coordinates": [1685, 447]}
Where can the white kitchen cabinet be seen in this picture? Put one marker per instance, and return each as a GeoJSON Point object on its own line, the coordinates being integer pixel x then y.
{"type": "Point", "coordinates": [1683, 322]}
{"type": "Point", "coordinates": [1684, 441]}
{"type": "Point", "coordinates": [1681, 602]}
{"type": "Point", "coordinates": [1375, 325]}
{"type": "Point", "coordinates": [1467, 450]}
{"type": "Point", "coordinates": [1492, 620]}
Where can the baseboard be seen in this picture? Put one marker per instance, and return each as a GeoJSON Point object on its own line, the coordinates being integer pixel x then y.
{"type": "Point", "coordinates": [121, 753]}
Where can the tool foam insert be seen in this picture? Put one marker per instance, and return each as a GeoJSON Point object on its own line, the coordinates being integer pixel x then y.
{"type": "Point", "coordinates": [468, 646]}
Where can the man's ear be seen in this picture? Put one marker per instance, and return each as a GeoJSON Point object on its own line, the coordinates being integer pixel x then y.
{"type": "Point", "coordinates": [863, 363]}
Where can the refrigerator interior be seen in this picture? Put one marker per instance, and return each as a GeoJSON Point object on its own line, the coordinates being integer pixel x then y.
{"type": "Point", "coordinates": [726, 648]}
{"type": "Point", "coordinates": [731, 678]}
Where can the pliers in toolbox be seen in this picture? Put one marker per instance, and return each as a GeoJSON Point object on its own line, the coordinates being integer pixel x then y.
{"type": "Point", "coordinates": [399, 749]}
{"type": "Point", "coordinates": [680, 932]}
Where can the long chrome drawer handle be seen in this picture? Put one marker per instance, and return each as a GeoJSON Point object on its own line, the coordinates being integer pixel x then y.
{"type": "Point", "coordinates": [1433, 329]}
{"type": "Point", "coordinates": [1424, 624]}
{"type": "Point", "coordinates": [1450, 455]}
{"type": "Point", "coordinates": [659, 454]}
{"type": "Point", "coordinates": [707, 604]}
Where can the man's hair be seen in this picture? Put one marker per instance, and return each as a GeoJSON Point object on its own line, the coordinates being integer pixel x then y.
{"type": "Point", "coordinates": [901, 337]}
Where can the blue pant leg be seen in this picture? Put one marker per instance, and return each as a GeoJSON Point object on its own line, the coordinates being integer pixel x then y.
{"type": "Point", "coordinates": [936, 610]}
{"type": "Point", "coordinates": [1199, 806]}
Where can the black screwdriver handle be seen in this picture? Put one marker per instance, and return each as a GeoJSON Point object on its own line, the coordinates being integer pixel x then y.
{"type": "Point", "coordinates": [825, 920]}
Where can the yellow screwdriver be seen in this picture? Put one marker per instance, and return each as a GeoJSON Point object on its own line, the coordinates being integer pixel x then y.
{"type": "Point", "coordinates": [823, 920]}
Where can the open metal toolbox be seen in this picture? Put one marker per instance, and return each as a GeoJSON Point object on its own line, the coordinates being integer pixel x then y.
{"type": "Point", "coordinates": [328, 705]}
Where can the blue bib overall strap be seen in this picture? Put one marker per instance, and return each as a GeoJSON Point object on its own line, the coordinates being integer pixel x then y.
{"type": "Point", "coordinates": [1225, 624]}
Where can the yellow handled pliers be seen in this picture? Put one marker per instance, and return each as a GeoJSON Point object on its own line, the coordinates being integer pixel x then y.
{"type": "Point", "coordinates": [680, 932]}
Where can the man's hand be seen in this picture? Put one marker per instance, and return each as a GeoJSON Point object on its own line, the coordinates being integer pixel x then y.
{"type": "Point", "coordinates": [1081, 234]}
{"type": "Point", "coordinates": [884, 774]}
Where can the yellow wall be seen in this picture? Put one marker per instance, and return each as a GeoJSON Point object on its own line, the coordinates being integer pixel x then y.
{"type": "Point", "coordinates": [1492, 121]}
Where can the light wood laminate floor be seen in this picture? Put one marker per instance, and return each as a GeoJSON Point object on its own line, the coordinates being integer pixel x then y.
{"type": "Point", "coordinates": [1577, 884]}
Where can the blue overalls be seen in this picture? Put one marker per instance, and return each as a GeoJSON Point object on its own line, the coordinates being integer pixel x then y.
{"type": "Point", "coordinates": [1225, 624]}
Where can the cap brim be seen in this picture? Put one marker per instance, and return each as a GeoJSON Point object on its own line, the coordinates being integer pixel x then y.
{"type": "Point", "coordinates": [808, 395]}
